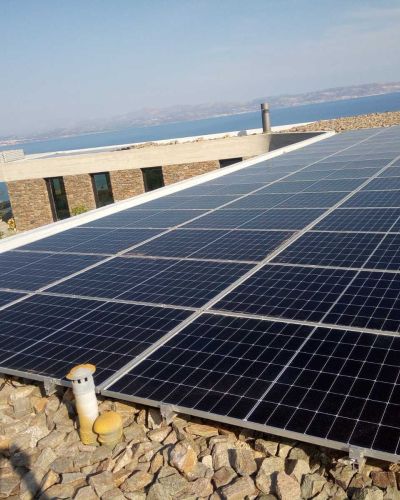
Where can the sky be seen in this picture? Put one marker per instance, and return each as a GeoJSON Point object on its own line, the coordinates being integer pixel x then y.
{"type": "Point", "coordinates": [66, 61]}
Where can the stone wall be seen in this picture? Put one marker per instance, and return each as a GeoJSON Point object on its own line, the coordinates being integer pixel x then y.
{"type": "Point", "coordinates": [30, 203]}
{"type": "Point", "coordinates": [126, 183]}
{"type": "Point", "coordinates": [79, 191]}
{"type": "Point", "coordinates": [176, 173]}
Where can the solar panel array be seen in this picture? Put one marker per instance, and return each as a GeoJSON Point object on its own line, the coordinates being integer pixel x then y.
{"type": "Point", "coordinates": [268, 297]}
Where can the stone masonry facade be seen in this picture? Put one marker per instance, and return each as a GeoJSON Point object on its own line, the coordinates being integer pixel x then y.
{"type": "Point", "coordinates": [79, 191]}
{"type": "Point", "coordinates": [30, 203]}
{"type": "Point", "coordinates": [126, 183]}
{"type": "Point", "coordinates": [176, 173]}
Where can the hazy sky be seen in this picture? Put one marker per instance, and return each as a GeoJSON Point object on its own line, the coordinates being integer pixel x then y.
{"type": "Point", "coordinates": [63, 61]}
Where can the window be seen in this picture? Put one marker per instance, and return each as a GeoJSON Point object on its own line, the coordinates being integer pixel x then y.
{"type": "Point", "coordinates": [58, 198]}
{"type": "Point", "coordinates": [229, 161]}
{"type": "Point", "coordinates": [153, 178]}
{"type": "Point", "coordinates": [102, 189]}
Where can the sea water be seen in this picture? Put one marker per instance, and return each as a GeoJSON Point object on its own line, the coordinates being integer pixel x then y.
{"type": "Point", "coordinates": [243, 121]}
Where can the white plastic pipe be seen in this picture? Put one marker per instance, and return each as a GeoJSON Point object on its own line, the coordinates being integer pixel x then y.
{"type": "Point", "coordinates": [85, 399]}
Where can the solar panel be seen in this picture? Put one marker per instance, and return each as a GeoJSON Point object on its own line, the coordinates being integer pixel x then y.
{"type": "Point", "coordinates": [190, 202]}
{"type": "Point", "coordinates": [216, 364]}
{"type": "Point", "coordinates": [376, 199]}
{"type": "Point", "coordinates": [145, 219]}
{"type": "Point", "coordinates": [354, 173]}
{"type": "Point", "coordinates": [92, 240]}
{"type": "Point", "coordinates": [31, 271]}
{"type": "Point", "coordinates": [45, 335]}
{"type": "Point", "coordinates": [312, 200]}
{"type": "Point", "coordinates": [214, 244]}
{"type": "Point", "coordinates": [7, 297]}
{"type": "Point", "coordinates": [164, 281]}
{"type": "Point", "coordinates": [393, 171]}
{"type": "Point", "coordinates": [284, 219]}
{"type": "Point", "coordinates": [380, 219]}
{"type": "Point", "coordinates": [383, 184]}
{"type": "Point", "coordinates": [301, 293]}
{"type": "Point", "coordinates": [331, 249]}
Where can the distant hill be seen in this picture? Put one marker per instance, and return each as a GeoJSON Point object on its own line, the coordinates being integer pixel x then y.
{"type": "Point", "coordinates": [186, 112]}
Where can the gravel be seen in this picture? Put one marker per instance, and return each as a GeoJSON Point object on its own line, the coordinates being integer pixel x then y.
{"type": "Point", "coordinates": [372, 120]}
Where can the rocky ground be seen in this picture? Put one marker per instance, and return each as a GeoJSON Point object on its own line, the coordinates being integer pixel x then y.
{"type": "Point", "coordinates": [42, 457]}
{"type": "Point", "coordinates": [352, 122]}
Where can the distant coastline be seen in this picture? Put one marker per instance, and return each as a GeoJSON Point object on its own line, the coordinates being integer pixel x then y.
{"type": "Point", "coordinates": [240, 121]}
{"type": "Point", "coordinates": [181, 114]}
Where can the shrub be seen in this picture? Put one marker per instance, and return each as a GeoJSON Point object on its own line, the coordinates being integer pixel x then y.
{"type": "Point", "coordinates": [80, 209]}
{"type": "Point", "coordinates": [11, 224]}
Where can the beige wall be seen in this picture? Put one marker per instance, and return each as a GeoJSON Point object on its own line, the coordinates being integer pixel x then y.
{"type": "Point", "coordinates": [148, 156]}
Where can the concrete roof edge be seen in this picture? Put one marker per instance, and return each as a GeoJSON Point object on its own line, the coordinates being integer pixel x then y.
{"type": "Point", "coordinates": [24, 238]}
{"type": "Point", "coordinates": [179, 140]}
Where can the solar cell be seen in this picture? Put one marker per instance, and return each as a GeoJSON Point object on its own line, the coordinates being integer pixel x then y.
{"type": "Point", "coordinates": [162, 281]}
{"type": "Point", "coordinates": [291, 292]}
{"type": "Point", "coordinates": [331, 249]}
{"type": "Point", "coordinates": [31, 271]}
{"type": "Point", "coordinates": [353, 219]}
{"type": "Point", "coordinates": [45, 335]}
{"type": "Point", "coordinates": [214, 244]}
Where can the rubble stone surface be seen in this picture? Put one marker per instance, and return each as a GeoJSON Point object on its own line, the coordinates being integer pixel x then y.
{"type": "Point", "coordinates": [41, 457]}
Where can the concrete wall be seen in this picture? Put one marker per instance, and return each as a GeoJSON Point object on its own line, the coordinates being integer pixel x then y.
{"type": "Point", "coordinates": [141, 157]}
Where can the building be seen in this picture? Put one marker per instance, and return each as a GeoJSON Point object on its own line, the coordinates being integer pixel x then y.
{"type": "Point", "coordinates": [44, 188]}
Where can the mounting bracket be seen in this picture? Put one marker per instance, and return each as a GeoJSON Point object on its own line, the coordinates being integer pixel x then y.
{"type": "Point", "coordinates": [357, 457]}
{"type": "Point", "coordinates": [168, 413]}
{"type": "Point", "coordinates": [50, 385]}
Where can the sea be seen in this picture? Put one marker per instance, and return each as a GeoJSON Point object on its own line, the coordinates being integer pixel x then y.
{"type": "Point", "coordinates": [243, 121]}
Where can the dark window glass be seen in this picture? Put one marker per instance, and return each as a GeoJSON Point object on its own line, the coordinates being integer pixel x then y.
{"type": "Point", "coordinates": [229, 161]}
{"type": "Point", "coordinates": [153, 178]}
{"type": "Point", "coordinates": [102, 189]}
{"type": "Point", "coordinates": [58, 198]}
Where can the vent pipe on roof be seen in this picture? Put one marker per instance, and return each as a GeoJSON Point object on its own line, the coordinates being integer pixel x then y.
{"type": "Point", "coordinates": [266, 122]}
{"type": "Point", "coordinates": [85, 400]}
